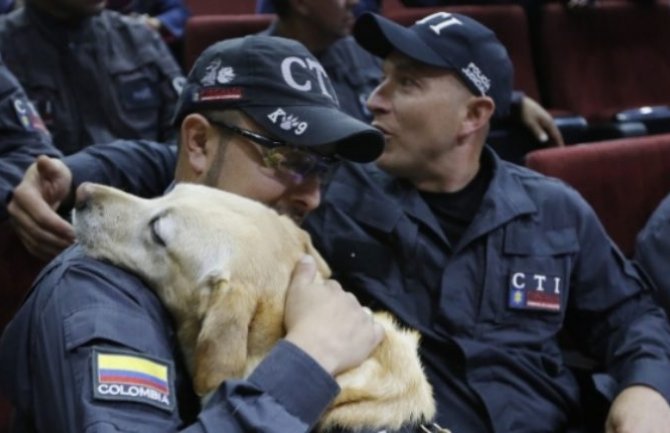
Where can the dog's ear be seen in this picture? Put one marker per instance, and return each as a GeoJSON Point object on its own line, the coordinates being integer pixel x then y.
{"type": "Point", "coordinates": [221, 347]}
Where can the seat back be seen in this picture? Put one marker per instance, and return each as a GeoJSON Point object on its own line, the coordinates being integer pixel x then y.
{"type": "Point", "coordinates": [203, 31]}
{"type": "Point", "coordinates": [623, 180]}
{"type": "Point", "coordinates": [605, 59]}
{"type": "Point", "coordinates": [510, 25]}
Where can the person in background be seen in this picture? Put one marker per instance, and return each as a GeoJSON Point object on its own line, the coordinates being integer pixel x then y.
{"type": "Point", "coordinates": [93, 75]}
{"type": "Point", "coordinates": [23, 136]}
{"type": "Point", "coordinates": [167, 17]}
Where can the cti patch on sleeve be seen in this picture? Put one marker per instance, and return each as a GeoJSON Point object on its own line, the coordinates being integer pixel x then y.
{"type": "Point", "coordinates": [28, 116]}
{"type": "Point", "coordinates": [126, 376]}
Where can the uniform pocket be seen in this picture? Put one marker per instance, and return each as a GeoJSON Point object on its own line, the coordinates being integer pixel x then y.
{"type": "Point", "coordinates": [137, 90]}
{"type": "Point", "coordinates": [138, 98]}
{"type": "Point", "coordinates": [528, 280]}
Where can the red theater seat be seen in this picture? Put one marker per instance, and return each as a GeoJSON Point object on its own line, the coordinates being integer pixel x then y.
{"type": "Point", "coordinates": [605, 59]}
{"type": "Point", "coordinates": [623, 180]}
{"type": "Point", "coordinates": [203, 31]}
{"type": "Point", "coordinates": [509, 24]}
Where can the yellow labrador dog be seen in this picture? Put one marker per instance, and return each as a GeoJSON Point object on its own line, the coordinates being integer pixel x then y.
{"type": "Point", "coordinates": [222, 264]}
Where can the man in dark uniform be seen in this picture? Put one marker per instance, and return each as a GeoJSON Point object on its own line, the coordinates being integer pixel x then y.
{"type": "Point", "coordinates": [489, 260]}
{"type": "Point", "coordinates": [245, 101]}
{"type": "Point", "coordinates": [23, 135]}
{"type": "Point", "coordinates": [93, 75]}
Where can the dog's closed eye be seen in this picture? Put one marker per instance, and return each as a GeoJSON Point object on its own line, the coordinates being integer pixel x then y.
{"type": "Point", "coordinates": [155, 227]}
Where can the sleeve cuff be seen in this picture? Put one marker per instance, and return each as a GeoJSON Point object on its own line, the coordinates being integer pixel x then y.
{"type": "Point", "coordinates": [652, 374]}
{"type": "Point", "coordinates": [295, 380]}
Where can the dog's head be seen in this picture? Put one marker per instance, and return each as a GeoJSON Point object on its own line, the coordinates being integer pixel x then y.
{"type": "Point", "coordinates": [192, 244]}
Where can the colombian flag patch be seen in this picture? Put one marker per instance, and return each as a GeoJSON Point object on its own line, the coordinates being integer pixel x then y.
{"type": "Point", "coordinates": [127, 376]}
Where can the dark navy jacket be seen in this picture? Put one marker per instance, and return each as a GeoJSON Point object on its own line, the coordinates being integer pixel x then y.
{"type": "Point", "coordinates": [652, 250]}
{"type": "Point", "coordinates": [534, 260]}
{"type": "Point", "coordinates": [81, 313]}
{"type": "Point", "coordinates": [23, 135]}
{"type": "Point", "coordinates": [109, 77]}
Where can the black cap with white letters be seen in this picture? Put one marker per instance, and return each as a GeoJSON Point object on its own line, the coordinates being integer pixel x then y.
{"type": "Point", "coordinates": [283, 87]}
{"type": "Point", "coordinates": [450, 41]}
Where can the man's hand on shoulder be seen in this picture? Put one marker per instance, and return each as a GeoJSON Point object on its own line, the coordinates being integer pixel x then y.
{"type": "Point", "coordinates": [45, 186]}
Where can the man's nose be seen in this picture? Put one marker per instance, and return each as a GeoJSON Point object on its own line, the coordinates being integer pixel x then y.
{"type": "Point", "coordinates": [377, 101]}
{"type": "Point", "coordinates": [306, 196]}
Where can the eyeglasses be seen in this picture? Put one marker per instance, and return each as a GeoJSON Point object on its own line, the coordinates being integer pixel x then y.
{"type": "Point", "coordinates": [289, 161]}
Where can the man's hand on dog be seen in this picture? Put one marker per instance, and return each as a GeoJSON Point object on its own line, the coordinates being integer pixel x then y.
{"type": "Point", "coordinates": [328, 323]}
{"type": "Point", "coordinates": [44, 187]}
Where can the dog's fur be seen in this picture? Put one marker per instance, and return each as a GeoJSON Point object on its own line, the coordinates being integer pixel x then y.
{"type": "Point", "coordinates": [221, 264]}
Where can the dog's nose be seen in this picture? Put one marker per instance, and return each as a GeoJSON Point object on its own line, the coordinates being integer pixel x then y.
{"type": "Point", "coordinates": [82, 196]}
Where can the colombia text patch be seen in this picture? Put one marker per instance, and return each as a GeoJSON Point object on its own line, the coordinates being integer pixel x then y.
{"type": "Point", "coordinates": [125, 376]}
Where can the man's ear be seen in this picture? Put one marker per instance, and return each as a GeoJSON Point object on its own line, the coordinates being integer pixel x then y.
{"type": "Point", "coordinates": [196, 134]}
{"type": "Point", "coordinates": [479, 111]}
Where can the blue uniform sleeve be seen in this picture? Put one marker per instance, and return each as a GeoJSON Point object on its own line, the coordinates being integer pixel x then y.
{"type": "Point", "coordinates": [23, 135]}
{"type": "Point", "coordinates": [140, 167]}
{"type": "Point", "coordinates": [614, 313]}
{"type": "Point", "coordinates": [92, 350]}
{"type": "Point", "coordinates": [288, 379]}
{"type": "Point", "coordinates": [652, 251]}
{"type": "Point", "coordinates": [173, 14]}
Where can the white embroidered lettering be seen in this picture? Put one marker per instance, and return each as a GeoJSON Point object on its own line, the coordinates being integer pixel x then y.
{"type": "Point", "coordinates": [448, 20]}
{"type": "Point", "coordinates": [286, 65]}
{"type": "Point", "coordinates": [481, 81]}
{"type": "Point", "coordinates": [557, 285]}
{"type": "Point", "coordinates": [540, 279]}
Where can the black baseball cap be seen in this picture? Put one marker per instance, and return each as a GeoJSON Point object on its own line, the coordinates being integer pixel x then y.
{"type": "Point", "coordinates": [446, 40]}
{"type": "Point", "coordinates": [283, 87]}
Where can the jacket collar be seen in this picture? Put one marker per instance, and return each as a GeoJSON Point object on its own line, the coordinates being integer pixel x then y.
{"type": "Point", "coordinates": [376, 199]}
